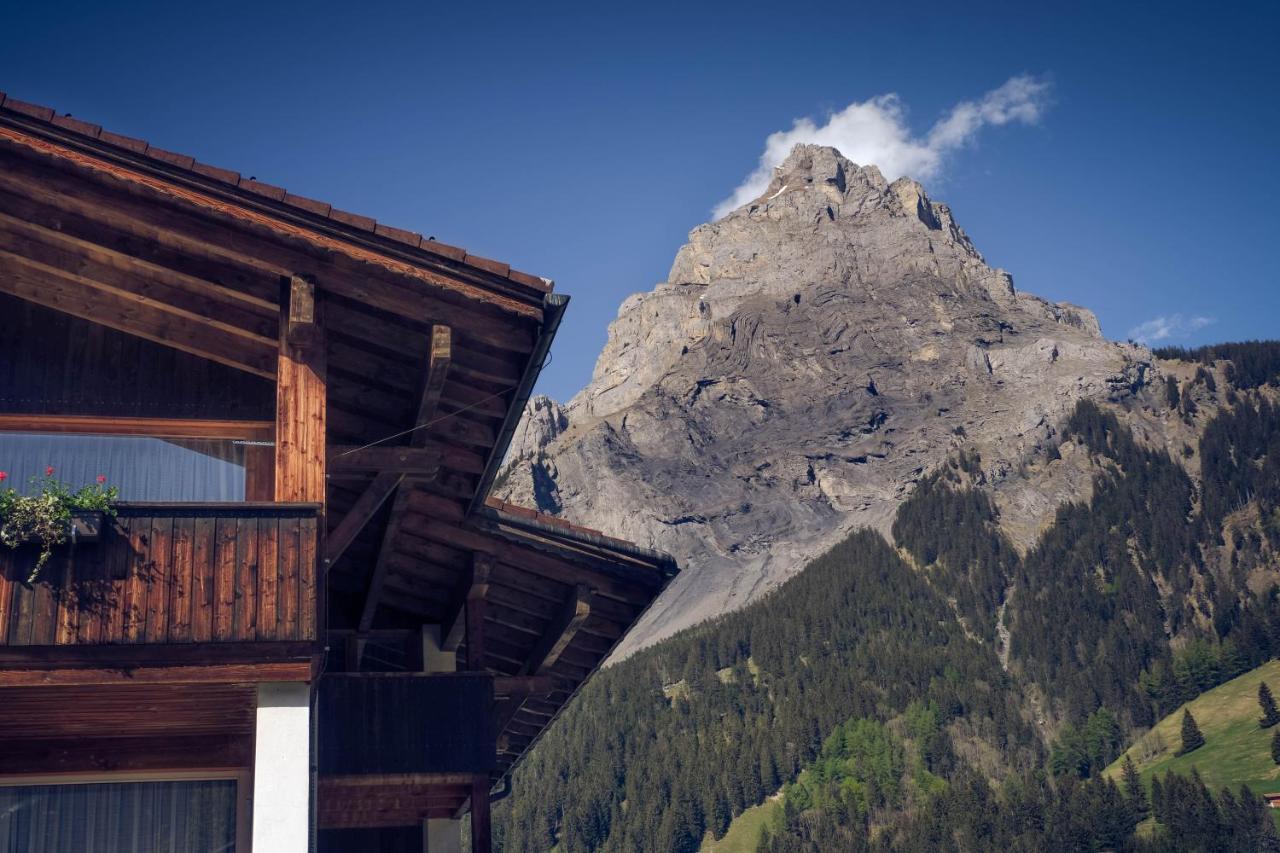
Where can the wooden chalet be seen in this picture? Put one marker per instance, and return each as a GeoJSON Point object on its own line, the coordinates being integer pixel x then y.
{"type": "Point", "coordinates": [306, 627]}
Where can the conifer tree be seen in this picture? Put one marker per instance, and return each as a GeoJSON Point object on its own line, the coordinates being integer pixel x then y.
{"type": "Point", "coordinates": [1157, 799]}
{"type": "Point", "coordinates": [1270, 714]}
{"type": "Point", "coordinates": [1275, 747]}
{"type": "Point", "coordinates": [1133, 791]}
{"type": "Point", "coordinates": [1192, 739]}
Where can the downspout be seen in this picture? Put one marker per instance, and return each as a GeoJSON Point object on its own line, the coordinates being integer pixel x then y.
{"type": "Point", "coordinates": [503, 792]}
{"type": "Point", "coordinates": [553, 308]}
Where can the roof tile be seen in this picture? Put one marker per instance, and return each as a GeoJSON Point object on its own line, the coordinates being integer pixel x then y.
{"type": "Point", "coordinates": [320, 208]}
{"type": "Point", "coordinates": [128, 142]}
{"type": "Point", "coordinates": [33, 110]}
{"type": "Point", "coordinates": [78, 126]}
{"type": "Point", "coordinates": [541, 517]}
{"type": "Point", "coordinates": [267, 190]}
{"type": "Point", "coordinates": [529, 280]}
{"type": "Point", "coordinates": [225, 175]}
{"type": "Point", "coordinates": [398, 234]}
{"type": "Point", "coordinates": [452, 252]}
{"type": "Point", "coordinates": [182, 161]}
{"type": "Point", "coordinates": [355, 220]}
{"type": "Point", "coordinates": [496, 267]}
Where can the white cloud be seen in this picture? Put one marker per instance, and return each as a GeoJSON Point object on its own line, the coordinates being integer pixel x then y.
{"type": "Point", "coordinates": [875, 132]}
{"type": "Point", "coordinates": [1164, 328]}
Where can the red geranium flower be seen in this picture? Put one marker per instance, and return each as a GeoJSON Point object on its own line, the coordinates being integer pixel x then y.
{"type": "Point", "coordinates": [4, 475]}
{"type": "Point", "coordinates": [102, 478]}
{"type": "Point", "coordinates": [48, 472]}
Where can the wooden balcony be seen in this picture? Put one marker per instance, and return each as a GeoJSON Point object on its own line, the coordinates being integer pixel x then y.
{"type": "Point", "coordinates": [185, 584]}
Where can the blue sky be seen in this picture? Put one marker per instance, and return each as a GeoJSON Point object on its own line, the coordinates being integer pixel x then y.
{"type": "Point", "coordinates": [583, 142]}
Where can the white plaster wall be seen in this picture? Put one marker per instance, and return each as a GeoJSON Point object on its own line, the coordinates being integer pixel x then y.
{"type": "Point", "coordinates": [281, 769]}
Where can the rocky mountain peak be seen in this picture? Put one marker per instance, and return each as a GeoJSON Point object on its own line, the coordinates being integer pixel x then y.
{"type": "Point", "coordinates": [811, 356]}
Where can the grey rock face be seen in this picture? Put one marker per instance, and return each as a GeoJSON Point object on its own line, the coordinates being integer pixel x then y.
{"type": "Point", "coordinates": [811, 356]}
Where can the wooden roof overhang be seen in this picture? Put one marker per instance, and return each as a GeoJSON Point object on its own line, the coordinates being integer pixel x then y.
{"type": "Point", "coordinates": [431, 353]}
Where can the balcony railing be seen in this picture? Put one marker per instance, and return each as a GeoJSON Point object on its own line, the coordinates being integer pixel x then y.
{"type": "Point", "coordinates": [163, 573]}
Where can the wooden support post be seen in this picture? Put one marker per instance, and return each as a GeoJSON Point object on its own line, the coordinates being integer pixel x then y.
{"type": "Point", "coordinates": [481, 568]}
{"type": "Point", "coordinates": [475, 586]}
{"type": "Point", "coordinates": [300, 396]}
{"type": "Point", "coordinates": [481, 841]}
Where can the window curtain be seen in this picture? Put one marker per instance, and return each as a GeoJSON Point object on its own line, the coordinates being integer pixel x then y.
{"type": "Point", "coordinates": [144, 469]}
{"type": "Point", "coordinates": [124, 817]}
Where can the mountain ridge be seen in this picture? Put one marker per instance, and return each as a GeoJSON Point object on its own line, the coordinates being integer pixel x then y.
{"type": "Point", "coordinates": [813, 356]}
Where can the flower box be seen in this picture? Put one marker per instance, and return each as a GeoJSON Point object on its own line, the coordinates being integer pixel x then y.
{"type": "Point", "coordinates": [86, 525]}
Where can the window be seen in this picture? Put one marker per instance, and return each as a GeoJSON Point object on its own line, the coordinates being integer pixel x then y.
{"type": "Point", "coordinates": [142, 467]}
{"type": "Point", "coordinates": [117, 814]}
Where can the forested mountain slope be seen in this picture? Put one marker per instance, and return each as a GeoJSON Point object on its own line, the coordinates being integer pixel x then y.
{"type": "Point", "coordinates": [969, 661]}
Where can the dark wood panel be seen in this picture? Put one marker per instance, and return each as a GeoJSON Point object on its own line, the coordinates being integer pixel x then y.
{"type": "Point", "coordinates": [126, 711]}
{"type": "Point", "coordinates": [393, 839]}
{"type": "Point", "coordinates": [384, 724]}
{"type": "Point", "coordinates": [354, 804]}
{"type": "Point", "coordinates": [53, 363]}
{"type": "Point", "coordinates": [116, 754]}
{"type": "Point", "coordinates": [167, 574]}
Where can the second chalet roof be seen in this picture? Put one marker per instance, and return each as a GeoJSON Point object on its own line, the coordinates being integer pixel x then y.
{"type": "Point", "coordinates": [355, 222]}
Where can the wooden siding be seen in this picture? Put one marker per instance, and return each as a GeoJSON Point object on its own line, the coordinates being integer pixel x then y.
{"type": "Point", "coordinates": [53, 363]}
{"type": "Point", "coordinates": [176, 573]}
{"type": "Point", "coordinates": [406, 724]}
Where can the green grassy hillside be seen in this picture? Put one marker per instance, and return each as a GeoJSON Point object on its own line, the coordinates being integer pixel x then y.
{"type": "Point", "coordinates": [1236, 750]}
{"type": "Point", "coordinates": [744, 833]}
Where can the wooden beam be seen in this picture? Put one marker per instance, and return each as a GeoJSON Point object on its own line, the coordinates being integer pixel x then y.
{"type": "Point", "coordinates": [116, 272]}
{"type": "Point", "coordinates": [481, 840]}
{"type": "Point", "coordinates": [213, 673]}
{"type": "Point", "coordinates": [551, 645]}
{"type": "Point", "coordinates": [139, 316]}
{"type": "Point", "coordinates": [370, 500]}
{"type": "Point", "coordinates": [23, 755]}
{"type": "Point", "coordinates": [152, 655]}
{"type": "Point", "coordinates": [377, 780]}
{"type": "Point", "coordinates": [576, 609]}
{"type": "Point", "coordinates": [88, 224]}
{"type": "Point", "coordinates": [475, 607]}
{"type": "Point", "coordinates": [523, 686]}
{"type": "Point", "coordinates": [417, 462]}
{"type": "Point", "coordinates": [439, 357]}
{"type": "Point", "coordinates": [302, 323]}
{"type": "Point", "coordinates": [162, 211]}
{"type": "Point", "coordinates": [155, 427]}
{"type": "Point", "coordinates": [476, 586]}
{"type": "Point", "coordinates": [637, 589]}
{"type": "Point", "coordinates": [300, 396]}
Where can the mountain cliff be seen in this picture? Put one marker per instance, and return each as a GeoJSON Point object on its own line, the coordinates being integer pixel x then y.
{"type": "Point", "coordinates": [811, 358]}
{"type": "Point", "coordinates": [1009, 547]}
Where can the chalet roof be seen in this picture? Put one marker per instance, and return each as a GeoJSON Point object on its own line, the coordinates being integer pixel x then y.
{"type": "Point", "coordinates": [431, 355]}
{"type": "Point", "coordinates": [232, 179]}
{"type": "Point", "coordinates": [551, 532]}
